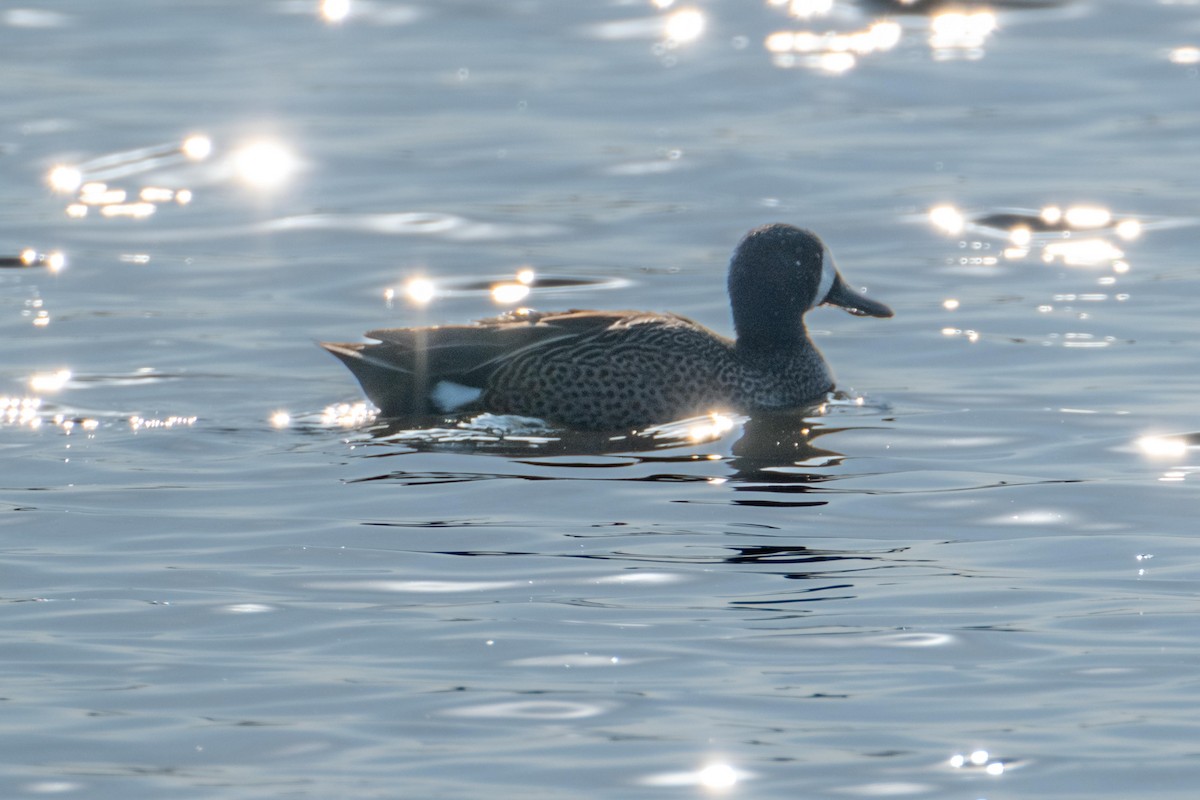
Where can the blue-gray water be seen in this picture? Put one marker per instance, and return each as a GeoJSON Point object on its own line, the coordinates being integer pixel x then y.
{"type": "Point", "coordinates": [974, 576]}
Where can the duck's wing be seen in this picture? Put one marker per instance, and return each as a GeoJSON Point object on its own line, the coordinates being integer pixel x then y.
{"type": "Point", "coordinates": [472, 352]}
{"type": "Point", "coordinates": [421, 370]}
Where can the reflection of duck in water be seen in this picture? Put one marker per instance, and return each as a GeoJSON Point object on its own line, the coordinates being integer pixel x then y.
{"type": "Point", "coordinates": [610, 370]}
{"type": "Point", "coordinates": [775, 452]}
{"type": "Point", "coordinates": [782, 439]}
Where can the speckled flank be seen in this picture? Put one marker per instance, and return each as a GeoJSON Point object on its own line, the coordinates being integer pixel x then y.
{"type": "Point", "coordinates": [654, 369]}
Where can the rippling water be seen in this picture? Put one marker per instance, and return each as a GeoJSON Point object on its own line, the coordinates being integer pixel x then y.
{"type": "Point", "coordinates": [971, 574]}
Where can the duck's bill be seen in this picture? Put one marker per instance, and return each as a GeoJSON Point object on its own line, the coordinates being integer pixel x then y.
{"type": "Point", "coordinates": [859, 305]}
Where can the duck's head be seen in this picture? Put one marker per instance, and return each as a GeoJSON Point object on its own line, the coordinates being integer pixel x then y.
{"type": "Point", "coordinates": [779, 272]}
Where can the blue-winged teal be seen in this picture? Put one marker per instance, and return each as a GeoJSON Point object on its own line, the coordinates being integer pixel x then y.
{"type": "Point", "coordinates": [608, 370]}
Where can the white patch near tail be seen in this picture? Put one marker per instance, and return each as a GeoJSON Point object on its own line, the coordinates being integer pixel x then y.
{"type": "Point", "coordinates": [450, 396]}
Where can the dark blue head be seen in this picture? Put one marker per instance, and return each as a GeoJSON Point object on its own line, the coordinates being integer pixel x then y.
{"type": "Point", "coordinates": [779, 272]}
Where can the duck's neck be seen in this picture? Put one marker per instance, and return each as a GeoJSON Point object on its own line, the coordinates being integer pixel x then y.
{"type": "Point", "coordinates": [767, 341]}
{"type": "Point", "coordinates": [768, 315]}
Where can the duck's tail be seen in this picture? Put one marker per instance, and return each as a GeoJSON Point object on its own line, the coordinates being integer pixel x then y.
{"type": "Point", "coordinates": [397, 389]}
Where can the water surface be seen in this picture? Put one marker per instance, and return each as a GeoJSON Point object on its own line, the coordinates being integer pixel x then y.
{"type": "Point", "coordinates": [971, 575]}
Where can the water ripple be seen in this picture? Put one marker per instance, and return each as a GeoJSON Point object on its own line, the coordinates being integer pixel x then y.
{"type": "Point", "coordinates": [545, 710]}
{"type": "Point", "coordinates": [408, 223]}
{"type": "Point", "coordinates": [401, 223]}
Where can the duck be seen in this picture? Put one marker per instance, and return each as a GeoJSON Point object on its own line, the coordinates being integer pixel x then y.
{"type": "Point", "coordinates": [623, 370]}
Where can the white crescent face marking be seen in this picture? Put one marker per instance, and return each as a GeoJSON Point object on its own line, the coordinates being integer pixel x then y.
{"type": "Point", "coordinates": [449, 396]}
{"type": "Point", "coordinates": [828, 273]}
